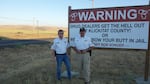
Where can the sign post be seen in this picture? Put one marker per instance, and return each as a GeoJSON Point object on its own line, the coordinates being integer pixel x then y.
{"type": "Point", "coordinates": [147, 62]}
{"type": "Point", "coordinates": [147, 57]}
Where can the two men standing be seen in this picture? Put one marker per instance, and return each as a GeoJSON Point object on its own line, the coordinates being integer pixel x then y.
{"type": "Point", "coordinates": [82, 46]}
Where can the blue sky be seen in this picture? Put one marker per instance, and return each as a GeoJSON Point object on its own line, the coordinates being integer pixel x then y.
{"type": "Point", "coordinates": [51, 12]}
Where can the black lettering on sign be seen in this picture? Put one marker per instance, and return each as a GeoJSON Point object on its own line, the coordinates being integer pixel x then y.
{"type": "Point", "coordinates": [108, 40]}
{"type": "Point", "coordinates": [121, 40]}
{"type": "Point", "coordinates": [96, 39]}
{"type": "Point", "coordinates": [140, 41]}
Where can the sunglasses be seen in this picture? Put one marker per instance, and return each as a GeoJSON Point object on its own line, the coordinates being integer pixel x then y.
{"type": "Point", "coordinates": [60, 33]}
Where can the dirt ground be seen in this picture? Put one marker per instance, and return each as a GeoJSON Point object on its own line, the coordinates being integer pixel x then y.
{"type": "Point", "coordinates": [33, 64]}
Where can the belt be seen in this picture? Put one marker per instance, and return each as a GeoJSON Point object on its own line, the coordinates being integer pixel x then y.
{"type": "Point", "coordinates": [90, 52]}
{"type": "Point", "coordinates": [83, 50]}
{"type": "Point", "coordinates": [61, 54]}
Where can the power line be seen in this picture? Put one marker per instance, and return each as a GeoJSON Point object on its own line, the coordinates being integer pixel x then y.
{"type": "Point", "coordinates": [32, 21]}
{"type": "Point", "coordinates": [12, 18]}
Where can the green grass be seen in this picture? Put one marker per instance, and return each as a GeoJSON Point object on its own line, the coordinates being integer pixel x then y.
{"type": "Point", "coordinates": [33, 64]}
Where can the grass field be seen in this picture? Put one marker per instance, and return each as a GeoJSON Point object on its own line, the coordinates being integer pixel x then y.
{"type": "Point", "coordinates": [29, 32]}
{"type": "Point", "coordinates": [33, 64]}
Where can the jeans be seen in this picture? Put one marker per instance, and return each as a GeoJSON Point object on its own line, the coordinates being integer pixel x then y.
{"type": "Point", "coordinates": [65, 59]}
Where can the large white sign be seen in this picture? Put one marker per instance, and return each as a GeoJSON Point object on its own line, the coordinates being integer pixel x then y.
{"type": "Point", "coordinates": [122, 27]}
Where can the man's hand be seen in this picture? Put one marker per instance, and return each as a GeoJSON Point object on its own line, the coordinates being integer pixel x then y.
{"type": "Point", "coordinates": [53, 55]}
{"type": "Point", "coordinates": [78, 51]}
{"type": "Point", "coordinates": [84, 51]}
{"type": "Point", "coordinates": [54, 58]}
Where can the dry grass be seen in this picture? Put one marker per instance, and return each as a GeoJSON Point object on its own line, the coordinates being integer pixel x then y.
{"type": "Point", "coordinates": [29, 32]}
{"type": "Point", "coordinates": [33, 64]}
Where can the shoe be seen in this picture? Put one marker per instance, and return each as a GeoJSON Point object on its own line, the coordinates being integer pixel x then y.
{"type": "Point", "coordinates": [69, 81]}
{"type": "Point", "coordinates": [81, 78]}
{"type": "Point", "coordinates": [87, 83]}
{"type": "Point", "coordinates": [59, 82]}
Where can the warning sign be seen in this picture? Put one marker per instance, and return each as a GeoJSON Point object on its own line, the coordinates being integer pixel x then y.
{"type": "Point", "coordinates": [119, 27]}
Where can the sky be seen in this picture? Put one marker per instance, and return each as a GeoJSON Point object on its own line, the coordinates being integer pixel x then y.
{"type": "Point", "coordinates": [51, 12]}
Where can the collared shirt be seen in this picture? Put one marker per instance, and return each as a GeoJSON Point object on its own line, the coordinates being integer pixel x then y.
{"type": "Point", "coordinates": [82, 43]}
{"type": "Point", "coordinates": [60, 45]}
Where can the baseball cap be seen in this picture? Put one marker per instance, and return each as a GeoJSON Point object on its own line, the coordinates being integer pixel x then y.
{"type": "Point", "coordinates": [82, 29]}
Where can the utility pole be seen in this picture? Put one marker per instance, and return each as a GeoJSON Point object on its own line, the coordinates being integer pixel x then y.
{"type": "Point", "coordinates": [92, 3]}
{"type": "Point", "coordinates": [34, 22]}
{"type": "Point", "coordinates": [37, 26]}
{"type": "Point", "coordinates": [33, 27]}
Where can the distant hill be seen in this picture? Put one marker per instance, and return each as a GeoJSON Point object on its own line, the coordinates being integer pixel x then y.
{"type": "Point", "coordinates": [28, 27]}
{"type": "Point", "coordinates": [29, 32]}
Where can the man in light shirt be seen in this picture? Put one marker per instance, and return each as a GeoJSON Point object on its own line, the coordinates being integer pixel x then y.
{"type": "Point", "coordinates": [82, 46]}
{"type": "Point", "coordinates": [59, 50]}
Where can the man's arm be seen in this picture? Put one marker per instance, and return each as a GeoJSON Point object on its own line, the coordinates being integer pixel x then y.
{"type": "Point", "coordinates": [88, 50]}
{"type": "Point", "coordinates": [68, 50]}
{"type": "Point", "coordinates": [53, 52]}
{"type": "Point", "coordinates": [76, 50]}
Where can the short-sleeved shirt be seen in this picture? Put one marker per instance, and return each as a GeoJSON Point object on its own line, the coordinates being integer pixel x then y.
{"type": "Point", "coordinates": [82, 43]}
{"type": "Point", "coordinates": [60, 45]}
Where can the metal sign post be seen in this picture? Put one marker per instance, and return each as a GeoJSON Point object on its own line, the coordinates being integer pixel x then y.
{"type": "Point", "coordinates": [69, 52]}
{"type": "Point", "coordinates": [147, 57]}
